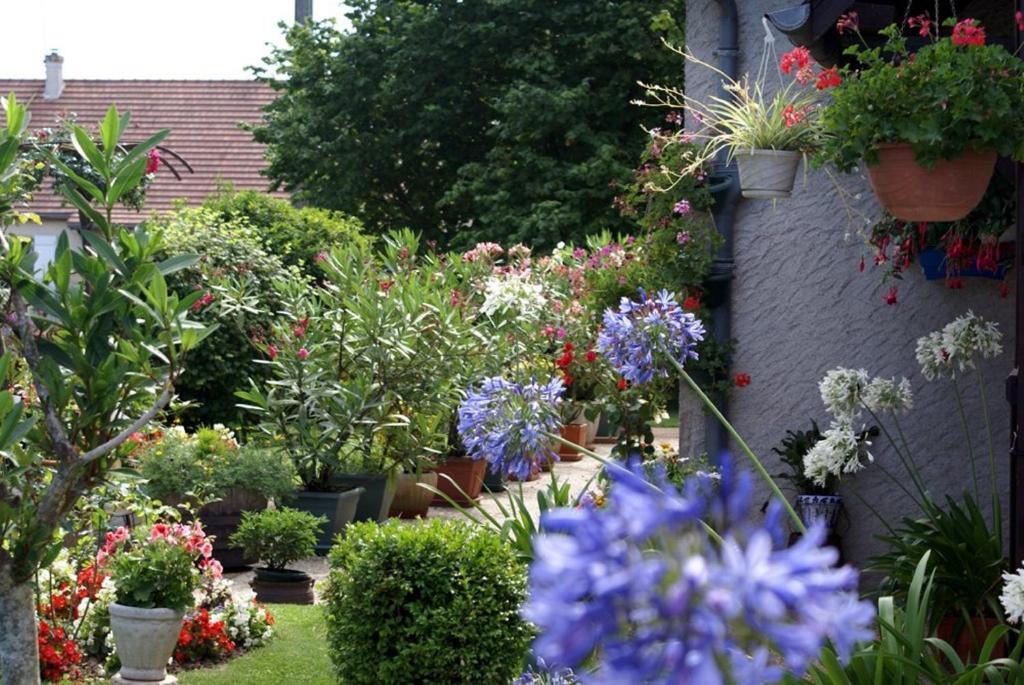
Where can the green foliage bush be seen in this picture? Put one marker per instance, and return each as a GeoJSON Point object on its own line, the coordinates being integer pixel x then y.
{"type": "Point", "coordinates": [232, 256]}
{"type": "Point", "coordinates": [155, 574]}
{"type": "Point", "coordinates": [294, 234]}
{"type": "Point", "coordinates": [277, 537]}
{"type": "Point", "coordinates": [431, 603]}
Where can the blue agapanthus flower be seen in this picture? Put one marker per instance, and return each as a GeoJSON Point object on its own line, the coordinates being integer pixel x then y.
{"type": "Point", "coordinates": [544, 674]}
{"type": "Point", "coordinates": [507, 423]}
{"type": "Point", "coordinates": [642, 590]}
{"type": "Point", "coordinates": [637, 336]}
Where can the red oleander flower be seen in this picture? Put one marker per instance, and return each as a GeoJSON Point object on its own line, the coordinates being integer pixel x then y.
{"type": "Point", "coordinates": [741, 380]}
{"type": "Point", "coordinates": [272, 352]}
{"type": "Point", "coordinates": [567, 379]}
{"type": "Point", "coordinates": [796, 59]}
{"type": "Point", "coordinates": [300, 329]}
{"type": "Point", "coordinates": [622, 384]}
{"type": "Point", "coordinates": [968, 32]}
{"type": "Point", "coordinates": [152, 161]}
{"type": "Point", "coordinates": [829, 78]}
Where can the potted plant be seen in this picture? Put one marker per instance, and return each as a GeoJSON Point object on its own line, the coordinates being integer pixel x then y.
{"type": "Point", "coordinates": [155, 572]}
{"type": "Point", "coordinates": [210, 472]}
{"type": "Point", "coordinates": [766, 135]}
{"type": "Point", "coordinates": [814, 502]}
{"type": "Point", "coordinates": [279, 537]}
{"type": "Point", "coordinates": [930, 124]}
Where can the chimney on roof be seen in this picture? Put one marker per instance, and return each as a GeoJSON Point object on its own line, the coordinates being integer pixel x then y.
{"type": "Point", "coordinates": [54, 76]}
{"type": "Point", "coordinates": [303, 11]}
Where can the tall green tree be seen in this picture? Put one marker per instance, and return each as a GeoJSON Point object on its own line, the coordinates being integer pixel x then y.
{"type": "Point", "coordinates": [469, 120]}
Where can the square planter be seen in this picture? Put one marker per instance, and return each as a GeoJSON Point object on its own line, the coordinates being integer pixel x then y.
{"type": "Point", "coordinates": [338, 507]}
{"type": "Point", "coordinates": [467, 473]}
{"type": "Point", "coordinates": [412, 501]}
{"type": "Point", "coordinates": [378, 491]}
{"type": "Point", "coordinates": [573, 432]}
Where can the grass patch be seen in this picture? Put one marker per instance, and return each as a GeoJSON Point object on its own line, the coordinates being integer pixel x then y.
{"type": "Point", "coordinates": [296, 654]}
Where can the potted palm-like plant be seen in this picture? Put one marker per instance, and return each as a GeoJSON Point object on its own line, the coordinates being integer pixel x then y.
{"type": "Point", "coordinates": [928, 124]}
{"type": "Point", "coordinates": [279, 537]}
{"type": "Point", "coordinates": [765, 132]}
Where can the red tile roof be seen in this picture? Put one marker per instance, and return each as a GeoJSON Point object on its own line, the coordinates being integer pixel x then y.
{"type": "Point", "coordinates": [203, 117]}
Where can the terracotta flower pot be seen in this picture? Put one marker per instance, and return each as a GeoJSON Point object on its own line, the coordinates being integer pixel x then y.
{"type": "Point", "coordinates": [966, 645]}
{"type": "Point", "coordinates": [946, 192]}
{"type": "Point", "coordinates": [573, 432]}
{"type": "Point", "coordinates": [411, 500]}
{"type": "Point", "coordinates": [468, 475]}
{"type": "Point", "coordinates": [145, 640]}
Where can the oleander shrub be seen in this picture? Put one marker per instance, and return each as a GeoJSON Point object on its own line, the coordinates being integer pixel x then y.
{"type": "Point", "coordinates": [431, 603]}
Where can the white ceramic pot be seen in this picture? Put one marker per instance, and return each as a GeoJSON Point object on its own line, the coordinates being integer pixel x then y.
{"type": "Point", "coordinates": [767, 174]}
{"type": "Point", "coordinates": [815, 508]}
{"type": "Point", "coordinates": [145, 640]}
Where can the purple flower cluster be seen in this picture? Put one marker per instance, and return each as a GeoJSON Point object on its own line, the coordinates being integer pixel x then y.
{"type": "Point", "coordinates": [543, 674]}
{"type": "Point", "coordinates": [507, 423]}
{"type": "Point", "coordinates": [638, 335]}
{"type": "Point", "coordinates": [641, 590]}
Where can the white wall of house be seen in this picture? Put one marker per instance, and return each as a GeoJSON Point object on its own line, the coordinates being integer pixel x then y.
{"type": "Point", "coordinates": [800, 307]}
{"type": "Point", "coordinates": [45, 236]}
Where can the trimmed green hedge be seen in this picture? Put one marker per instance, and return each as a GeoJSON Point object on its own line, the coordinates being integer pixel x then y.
{"type": "Point", "coordinates": [436, 602]}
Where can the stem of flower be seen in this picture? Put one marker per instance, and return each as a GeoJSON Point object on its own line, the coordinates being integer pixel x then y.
{"type": "Point", "coordinates": [997, 508]}
{"type": "Point", "coordinates": [967, 436]}
{"type": "Point", "coordinates": [758, 466]}
{"type": "Point", "coordinates": [908, 466]}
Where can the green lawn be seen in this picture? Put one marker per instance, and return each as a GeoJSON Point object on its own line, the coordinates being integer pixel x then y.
{"type": "Point", "coordinates": [296, 654]}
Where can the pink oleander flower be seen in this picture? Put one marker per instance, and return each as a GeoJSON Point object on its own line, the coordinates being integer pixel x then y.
{"type": "Point", "coordinates": [303, 353]}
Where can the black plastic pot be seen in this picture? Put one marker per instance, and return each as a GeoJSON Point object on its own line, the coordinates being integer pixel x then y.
{"type": "Point", "coordinates": [378, 491]}
{"type": "Point", "coordinates": [282, 587]}
{"type": "Point", "coordinates": [494, 482]}
{"type": "Point", "coordinates": [338, 507]}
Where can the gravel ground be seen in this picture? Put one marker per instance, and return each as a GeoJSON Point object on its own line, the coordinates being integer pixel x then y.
{"type": "Point", "coordinates": [579, 474]}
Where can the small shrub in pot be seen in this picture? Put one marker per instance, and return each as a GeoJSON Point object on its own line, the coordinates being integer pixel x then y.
{"type": "Point", "coordinates": [432, 603]}
{"type": "Point", "coordinates": [279, 537]}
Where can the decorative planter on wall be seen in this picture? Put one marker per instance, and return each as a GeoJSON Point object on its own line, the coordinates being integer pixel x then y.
{"type": "Point", "coordinates": [145, 640]}
{"type": "Point", "coordinates": [573, 432]}
{"type": "Point", "coordinates": [378, 491]}
{"type": "Point", "coordinates": [338, 507]}
{"type": "Point", "coordinates": [468, 475]}
{"type": "Point", "coordinates": [411, 500]}
{"type": "Point", "coordinates": [767, 174]}
{"type": "Point", "coordinates": [933, 264]}
{"type": "Point", "coordinates": [967, 646]}
{"type": "Point", "coordinates": [282, 587]}
{"type": "Point", "coordinates": [946, 192]}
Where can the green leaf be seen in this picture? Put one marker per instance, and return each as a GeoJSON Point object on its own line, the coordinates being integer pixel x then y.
{"type": "Point", "coordinates": [87, 149]}
{"type": "Point", "coordinates": [110, 132]}
{"type": "Point", "coordinates": [102, 248]}
{"type": "Point", "coordinates": [177, 263]}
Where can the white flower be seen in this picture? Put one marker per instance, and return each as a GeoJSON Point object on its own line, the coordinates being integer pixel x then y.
{"type": "Point", "coordinates": [838, 452]}
{"type": "Point", "coordinates": [957, 346]}
{"type": "Point", "coordinates": [841, 390]}
{"type": "Point", "coordinates": [514, 294]}
{"type": "Point", "coordinates": [1012, 597]}
{"type": "Point", "coordinates": [885, 394]}
{"type": "Point", "coordinates": [932, 356]}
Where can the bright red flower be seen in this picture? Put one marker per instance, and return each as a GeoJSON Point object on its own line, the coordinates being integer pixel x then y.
{"type": "Point", "coordinates": [829, 78]}
{"type": "Point", "coordinates": [796, 59]}
{"type": "Point", "coordinates": [793, 116]}
{"type": "Point", "coordinates": [741, 380]}
{"type": "Point", "coordinates": [152, 161]}
{"type": "Point", "coordinates": [623, 384]}
{"type": "Point", "coordinates": [567, 379]}
{"type": "Point", "coordinates": [300, 329]}
{"type": "Point", "coordinates": [272, 352]}
{"type": "Point", "coordinates": [968, 32]}
{"type": "Point", "coordinates": [591, 356]}
{"type": "Point", "coordinates": [890, 297]}
{"type": "Point", "coordinates": [691, 303]}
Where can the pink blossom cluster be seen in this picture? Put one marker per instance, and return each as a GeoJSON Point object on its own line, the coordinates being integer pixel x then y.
{"type": "Point", "coordinates": [192, 538]}
{"type": "Point", "coordinates": [484, 252]}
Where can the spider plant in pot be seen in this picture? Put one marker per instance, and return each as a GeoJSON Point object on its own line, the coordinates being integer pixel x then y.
{"type": "Point", "coordinates": [765, 130]}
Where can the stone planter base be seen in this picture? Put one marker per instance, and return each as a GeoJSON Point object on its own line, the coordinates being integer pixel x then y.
{"type": "Point", "coordinates": [144, 640]}
{"type": "Point", "coordinates": [118, 680]}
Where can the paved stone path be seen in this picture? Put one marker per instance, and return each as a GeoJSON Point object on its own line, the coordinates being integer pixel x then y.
{"type": "Point", "coordinates": [579, 474]}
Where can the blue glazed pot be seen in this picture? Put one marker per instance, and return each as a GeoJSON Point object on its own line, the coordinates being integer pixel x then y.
{"type": "Point", "coordinates": [814, 508]}
{"type": "Point", "coordinates": [933, 264]}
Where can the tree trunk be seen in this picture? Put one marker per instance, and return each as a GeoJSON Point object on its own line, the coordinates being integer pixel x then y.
{"type": "Point", "coordinates": [19, 650]}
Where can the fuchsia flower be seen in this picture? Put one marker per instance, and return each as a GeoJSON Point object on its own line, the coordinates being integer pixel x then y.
{"type": "Point", "coordinates": [890, 297]}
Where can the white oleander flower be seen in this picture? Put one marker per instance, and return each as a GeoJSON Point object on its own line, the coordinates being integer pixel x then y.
{"type": "Point", "coordinates": [1012, 597]}
{"type": "Point", "coordinates": [841, 391]}
{"type": "Point", "coordinates": [885, 394]}
{"type": "Point", "coordinates": [514, 294]}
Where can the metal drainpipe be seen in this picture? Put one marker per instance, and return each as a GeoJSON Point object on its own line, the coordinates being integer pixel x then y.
{"type": "Point", "coordinates": [719, 291]}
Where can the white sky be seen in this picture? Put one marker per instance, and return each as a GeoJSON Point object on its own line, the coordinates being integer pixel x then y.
{"type": "Point", "coordinates": [140, 39]}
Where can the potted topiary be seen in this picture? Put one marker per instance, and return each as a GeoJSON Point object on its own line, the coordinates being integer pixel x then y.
{"type": "Point", "coordinates": [155, 572]}
{"type": "Point", "coordinates": [279, 537]}
{"type": "Point", "coordinates": [210, 471]}
{"type": "Point", "coordinates": [766, 135]}
{"type": "Point", "coordinates": [928, 124]}
{"type": "Point", "coordinates": [432, 603]}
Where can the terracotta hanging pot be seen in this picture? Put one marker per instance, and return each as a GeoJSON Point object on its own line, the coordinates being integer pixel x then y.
{"type": "Point", "coordinates": [946, 192]}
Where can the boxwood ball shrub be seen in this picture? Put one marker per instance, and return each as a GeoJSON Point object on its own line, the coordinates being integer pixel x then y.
{"type": "Point", "coordinates": [431, 603]}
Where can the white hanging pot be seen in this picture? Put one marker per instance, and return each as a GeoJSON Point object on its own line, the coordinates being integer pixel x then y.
{"type": "Point", "coordinates": [767, 174]}
{"type": "Point", "coordinates": [145, 640]}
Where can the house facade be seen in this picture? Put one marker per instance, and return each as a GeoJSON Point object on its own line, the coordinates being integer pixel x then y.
{"type": "Point", "coordinates": [799, 306]}
{"type": "Point", "coordinates": [207, 145]}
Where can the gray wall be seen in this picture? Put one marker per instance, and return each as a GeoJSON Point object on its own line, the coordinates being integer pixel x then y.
{"type": "Point", "coordinates": [800, 307]}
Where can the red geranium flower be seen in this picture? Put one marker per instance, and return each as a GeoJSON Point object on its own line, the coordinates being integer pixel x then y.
{"type": "Point", "coordinates": [793, 116]}
{"type": "Point", "coordinates": [922, 23]}
{"type": "Point", "coordinates": [829, 78]}
{"type": "Point", "coordinates": [622, 384]}
{"type": "Point", "coordinates": [741, 380]}
{"type": "Point", "coordinates": [798, 58]}
{"type": "Point", "coordinates": [591, 356]}
{"type": "Point", "coordinates": [968, 32]}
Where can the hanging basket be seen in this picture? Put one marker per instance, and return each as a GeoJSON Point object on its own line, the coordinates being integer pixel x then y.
{"type": "Point", "coordinates": [767, 174]}
{"type": "Point", "coordinates": [946, 192]}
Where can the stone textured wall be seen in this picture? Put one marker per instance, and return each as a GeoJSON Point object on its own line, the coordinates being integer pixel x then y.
{"type": "Point", "coordinates": [800, 307]}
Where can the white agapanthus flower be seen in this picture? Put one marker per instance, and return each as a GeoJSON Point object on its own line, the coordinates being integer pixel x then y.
{"type": "Point", "coordinates": [514, 294]}
{"type": "Point", "coordinates": [838, 452]}
{"type": "Point", "coordinates": [956, 347]}
{"type": "Point", "coordinates": [842, 390]}
{"type": "Point", "coordinates": [886, 394]}
{"type": "Point", "coordinates": [1012, 597]}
